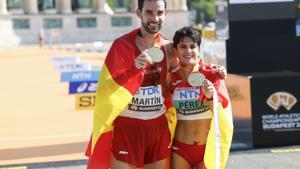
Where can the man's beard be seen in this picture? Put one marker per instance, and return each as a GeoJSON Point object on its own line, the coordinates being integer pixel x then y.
{"type": "Point", "coordinates": [149, 30]}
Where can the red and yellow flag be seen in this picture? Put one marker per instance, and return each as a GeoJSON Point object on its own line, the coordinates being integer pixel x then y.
{"type": "Point", "coordinates": [221, 130]}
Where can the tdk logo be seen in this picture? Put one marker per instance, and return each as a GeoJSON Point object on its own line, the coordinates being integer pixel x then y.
{"type": "Point", "coordinates": [278, 99]}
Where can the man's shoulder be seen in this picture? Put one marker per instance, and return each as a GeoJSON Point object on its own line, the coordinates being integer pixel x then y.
{"type": "Point", "coordinates": [122, 40]}
{"type": "Point", "coordinates": [164, 40]}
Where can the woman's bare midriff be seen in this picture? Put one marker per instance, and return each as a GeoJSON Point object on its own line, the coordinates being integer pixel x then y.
{"type": "Point", "coordinates": [192, 131]}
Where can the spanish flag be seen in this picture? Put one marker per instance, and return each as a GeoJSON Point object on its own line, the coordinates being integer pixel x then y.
{"type": "Point", "coordinates": [119, 80]}
{"type": "Point", "coordinates": [221, 130]}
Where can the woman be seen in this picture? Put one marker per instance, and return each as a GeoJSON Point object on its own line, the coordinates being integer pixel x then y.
{"type": "Point", "coordinates": [192, 102]}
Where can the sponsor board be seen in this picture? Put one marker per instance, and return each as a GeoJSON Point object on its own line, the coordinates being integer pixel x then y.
{"type": "Point", "coordinates": [265, 108]}
{"type": "Point", "coordinates": [285, 150]}
{"type": "Point", "coordinates": [275, 108]}
{"type": "Point", "coordinates": [16, 167]}
{"type": "Point", "coordinates": [85, 101]}
{"type": "Point", "coordinates": [298, 26]}
{"type": "Point", "coordinates": [77, 76]}
{"type": "Point", "coordinates": [82, 87]}
{"type": "Point", "coordinates": [256, 1]}
{"type": "Point", "coordinates": [239, 88]}
{"type": "Point", "coordinates": [65, 59]}
{"type": "Point", "coordinates": [96, 67]}
{"type": "Point", "coordinates": [285, 121]}
{"type": "Point", "coordinates": [67, 67]}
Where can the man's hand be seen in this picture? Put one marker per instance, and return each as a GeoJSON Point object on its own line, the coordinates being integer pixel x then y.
{"type": "Point", "coordinates": [142, 60]}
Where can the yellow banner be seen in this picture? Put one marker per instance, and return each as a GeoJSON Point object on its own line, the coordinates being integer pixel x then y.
{"type": "Point", "coordinates": [85, 101]}
{"type": "Point", "coordinates": [18, 167]}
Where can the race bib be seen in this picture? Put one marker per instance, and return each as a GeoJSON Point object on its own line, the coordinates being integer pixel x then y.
{"type": "Point", "coordinates": [147, 99]}
{"type": "Point", "coordinates": [186, 101]}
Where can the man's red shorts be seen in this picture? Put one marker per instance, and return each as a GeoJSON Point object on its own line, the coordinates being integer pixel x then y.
{"type": "Point", "coordinates": [140, 142]}
{"type": "Point", "coordinates": [193, 154]}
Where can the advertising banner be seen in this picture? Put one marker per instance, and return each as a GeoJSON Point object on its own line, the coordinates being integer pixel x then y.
{"type": "Point", "coordinates": [298, 29]}
{"type": "Point", "coordinates": [275, 109]}
{"type": "Point", "coordinates": [256, 1]}
{"type": "Point", "coordinates": [85, 101]}
{"type": "Point", "coordinates": [67, 67]}
{"type": "Point", "coordinates": [82, 87]}
{"type": "Point", "coordinates": [77, 76]}
{"type": "Point", "coordinates": [238, 87]}
{"type": "Point", "coordinates": [65, 59]}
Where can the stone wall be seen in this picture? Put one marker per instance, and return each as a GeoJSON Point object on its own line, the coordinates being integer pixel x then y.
{"type": "Point", "coordinates": [70, 30]}
{"type": "Point", "coordinates": [71, 33]}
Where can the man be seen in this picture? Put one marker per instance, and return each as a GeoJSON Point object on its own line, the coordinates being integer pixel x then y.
{"type": "Point", "coordinates": [130, 99]}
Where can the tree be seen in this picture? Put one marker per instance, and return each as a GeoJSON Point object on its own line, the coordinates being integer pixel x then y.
{"type": "Point", "coordinates": [114, 3]}
{"type": "Point", "coordinates": [206, 11]}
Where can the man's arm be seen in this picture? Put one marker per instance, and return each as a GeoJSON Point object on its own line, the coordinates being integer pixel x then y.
{"type": "Point", "coordinates": [120, 63]}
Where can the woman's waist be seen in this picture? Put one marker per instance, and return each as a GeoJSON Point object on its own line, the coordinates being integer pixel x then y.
{"type": "Point", "coordinates": [192, 131]}
{"type": "Point", "coordinates": [192, 116]}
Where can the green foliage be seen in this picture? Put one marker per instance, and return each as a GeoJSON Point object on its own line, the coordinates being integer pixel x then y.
{"type": "Point", "coordinates": [206, 11]}
{"type": "Point", "coordinates": [128, 4]}
{"type": "Point", "coordinates": [76, 4]}
{"type": "Point", "coordinates": [113, 4]}
{"type": "Point", "coordinates": [40, 5]}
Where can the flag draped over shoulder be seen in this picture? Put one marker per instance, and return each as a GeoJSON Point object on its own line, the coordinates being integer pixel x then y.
{"type": "Point", "coordinates": [119, 80]}
{"type": "Point", "coordinates": [221, 130]}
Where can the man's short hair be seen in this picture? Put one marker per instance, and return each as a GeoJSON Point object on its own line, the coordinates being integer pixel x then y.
{"type": "Point", "coordinates": [141, 3]}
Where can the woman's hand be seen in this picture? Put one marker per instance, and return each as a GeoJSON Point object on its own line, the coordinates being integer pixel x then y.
{"type": "Point", "coordinates": [208, 89]}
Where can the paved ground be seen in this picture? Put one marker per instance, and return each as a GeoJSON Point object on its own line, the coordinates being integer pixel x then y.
{"type": "Point", "coordinates": [269, 158]}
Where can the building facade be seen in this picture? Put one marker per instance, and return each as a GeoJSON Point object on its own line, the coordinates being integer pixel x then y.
{"type": "Point", "coordinates": [72, 21]}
